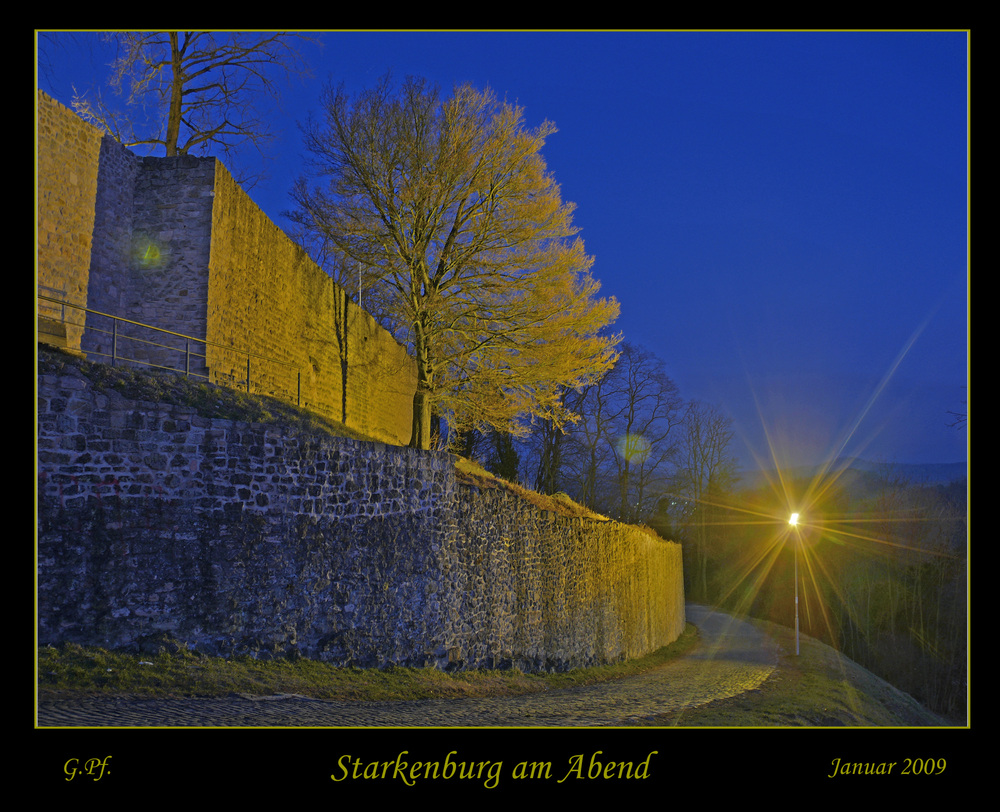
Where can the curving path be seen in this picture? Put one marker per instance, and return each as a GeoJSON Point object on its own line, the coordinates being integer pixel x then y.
{"type": "Point", "coordinates": [732, 657]}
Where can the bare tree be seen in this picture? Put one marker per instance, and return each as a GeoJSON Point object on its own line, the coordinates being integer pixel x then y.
{"type": "Point", "coordinates": [649, 411]}
{"type": "Point", "coordinates": [706, 471]}
{"type": "Point", "coordinates": [187, 90]}
{"type": "Point", "coordinates": [448, 203]}
{"type": "Point", "coordinates": [587, 447]}
{"type": "Point", "coordinates": [620, 454]}
{"type": "Point", "coordinates": [959, 420]}
{"type": "Point", "coordinates": [548, 441]}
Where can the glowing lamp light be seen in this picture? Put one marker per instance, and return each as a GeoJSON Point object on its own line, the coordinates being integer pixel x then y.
{"type": "Point", "coordinates": [793, 520]}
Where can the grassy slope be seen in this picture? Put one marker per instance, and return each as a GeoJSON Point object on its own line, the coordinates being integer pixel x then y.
{"type": "Point", "coordinates": [203, 398]}
{"type": "Point", "coordinates": [69, 671]}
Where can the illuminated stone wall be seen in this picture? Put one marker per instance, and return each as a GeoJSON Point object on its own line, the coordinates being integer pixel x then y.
{"type": "Point", "coordinates": [176, 244]}
{"type": "Point", "coordinates": [543, 591]}
{"type": "Point", "coordinates": [266, 295]}
{"type": "Point", "coordinates": [239, 539]}
{"type": "Point", "coordinates": [67, 191]}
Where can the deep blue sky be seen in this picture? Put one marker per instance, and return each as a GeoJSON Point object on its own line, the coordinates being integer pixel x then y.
{"type": "Point", "coordinates": [779, 214]}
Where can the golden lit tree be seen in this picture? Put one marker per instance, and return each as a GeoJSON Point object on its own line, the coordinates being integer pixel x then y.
{"type": "Point", "coordinates": [192, 89]}
{"type": "Point", "coordinates": [447, 202]}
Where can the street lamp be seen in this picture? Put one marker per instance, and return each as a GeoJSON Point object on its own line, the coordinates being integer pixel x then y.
{"type": "Point", "coordinates": [793, 520]}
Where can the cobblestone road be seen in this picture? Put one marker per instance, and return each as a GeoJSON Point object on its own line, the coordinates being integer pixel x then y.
{"type": "Point", "coordinates": [733, 657]}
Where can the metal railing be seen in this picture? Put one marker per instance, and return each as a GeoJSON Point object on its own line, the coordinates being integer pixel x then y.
{"type": "Point", "coordinates": [191, 343]}
{"type": "Point", "coordinates": [54, 313]}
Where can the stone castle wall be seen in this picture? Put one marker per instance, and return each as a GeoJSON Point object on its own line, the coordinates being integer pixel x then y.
{"type": "Point", "coordinates": [175, 243]}
{"type": "Point", "coordinates": [237, 538]}
{"type": "Point", "coordinates": [265, 294]}
{"type": "Point", "coordinates": [66, 173]}
{"type": "Point", "coordinates": [243, 539]}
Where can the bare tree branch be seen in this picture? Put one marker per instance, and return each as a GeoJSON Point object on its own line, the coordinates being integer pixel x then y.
{"type": "Point", "coordinates": [187, 90]}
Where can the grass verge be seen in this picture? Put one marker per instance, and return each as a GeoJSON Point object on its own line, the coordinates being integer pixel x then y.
{"type": "Point", "coordinates": [70, 671]}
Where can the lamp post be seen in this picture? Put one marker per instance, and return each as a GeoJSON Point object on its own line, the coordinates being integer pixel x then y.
{"type": "Point", "coordinates": [793, 520]}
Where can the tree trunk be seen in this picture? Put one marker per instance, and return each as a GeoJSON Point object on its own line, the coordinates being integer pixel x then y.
{"type": "Point", "coordinates": [176, 97]}
{"type": "Point", "coordinates": [624, 511]}
{"type": "Point", "coordinates": [550, 458]}
{"type": "Point", "coordinates": [421, 434]}
{"type": "Point", "coordinates": [420, 437]}
{"type": "Point", "coordinates": [340, 304]}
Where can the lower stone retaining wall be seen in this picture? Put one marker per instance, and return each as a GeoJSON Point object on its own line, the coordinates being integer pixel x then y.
{"type": "Point", "coordinates": [243, 539]}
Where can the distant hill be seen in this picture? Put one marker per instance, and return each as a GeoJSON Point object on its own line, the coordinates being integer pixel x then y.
{"type": "Point", "coordinates": [857, 470]}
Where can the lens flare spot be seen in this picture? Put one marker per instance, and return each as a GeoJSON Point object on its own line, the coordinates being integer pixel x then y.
{"type": "Point", "coordinates": [634, 447]}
